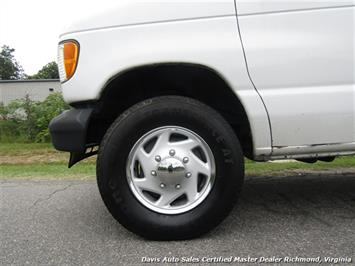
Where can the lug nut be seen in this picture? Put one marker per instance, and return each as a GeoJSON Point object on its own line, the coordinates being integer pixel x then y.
{"type": "Point", "coordinates": [172, 152]}
{"type": "Point", "coordinates": [185, 160]}
{"type": "Point", "coordinates": [162, 185]}
{"type": "Point", "coordinates": [154, 173]}
{"type": "Point", "coordinates": [188, 175]}
{"type": "Point", "coordinates": [158, 158]}
{"type": "Point", "coordinates": [177, 186]}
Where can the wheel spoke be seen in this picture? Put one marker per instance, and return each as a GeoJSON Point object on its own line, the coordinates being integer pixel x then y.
{"type": "Point", "coordinates": [200, 166]}
{"type": "Point", "coordinates": [147, 183]}
{"type": "Point", "coordinates": [168, 197]}
{"type": "Point", "coordinates": [191, 189]}
{"type": "Point", "coordinates": [145, 161]}
{"type": "Point", "coordinates": [163, 140]}
{"type": "Point", "coordinates": [142, 156]}
{"type": "Point", "coordinates": [187, 145]}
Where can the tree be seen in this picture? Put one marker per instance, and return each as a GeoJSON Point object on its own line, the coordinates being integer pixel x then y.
{"type": "Point", "coordinates": [49, 71]}
{"type": "Point", "coordinates": [9, 67]}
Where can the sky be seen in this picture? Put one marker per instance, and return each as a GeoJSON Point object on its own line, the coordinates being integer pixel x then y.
{"type": "Point", "coordinates": [32, 27]}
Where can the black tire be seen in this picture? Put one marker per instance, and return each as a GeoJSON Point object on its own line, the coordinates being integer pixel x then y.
{"type": "Point", "coordinates": [151, 114]}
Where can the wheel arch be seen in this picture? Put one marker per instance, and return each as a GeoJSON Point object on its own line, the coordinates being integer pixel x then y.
{"type": "Point", "coordinates": [196, 81]}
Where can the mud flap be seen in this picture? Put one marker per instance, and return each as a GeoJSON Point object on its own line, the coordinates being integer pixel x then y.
{"type": "Point", "coordinates": [76, 157]}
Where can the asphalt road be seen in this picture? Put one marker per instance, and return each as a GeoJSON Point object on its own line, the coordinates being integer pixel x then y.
{"type": "Point", "coordinates": [66, 223]}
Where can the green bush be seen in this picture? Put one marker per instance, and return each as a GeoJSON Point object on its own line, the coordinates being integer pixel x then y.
{"type": "Point", "coordinates": [9, 132]}
{"type": "Point", "coordinates": [27, 120]}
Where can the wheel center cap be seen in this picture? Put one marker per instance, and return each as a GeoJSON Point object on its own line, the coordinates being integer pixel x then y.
{"type": "Point", "coordinates": [171, 168]}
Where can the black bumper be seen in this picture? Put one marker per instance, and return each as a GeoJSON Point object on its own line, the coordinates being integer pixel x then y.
{"type": "Point", "coordinates": [69, 130]}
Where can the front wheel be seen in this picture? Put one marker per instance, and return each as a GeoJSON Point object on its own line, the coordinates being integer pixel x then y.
{"type": "Point", "coordinates": [170, 168]}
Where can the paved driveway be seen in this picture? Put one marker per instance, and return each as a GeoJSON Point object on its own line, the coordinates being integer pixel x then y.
{"type": "Point", "coordinates": [65, 222]}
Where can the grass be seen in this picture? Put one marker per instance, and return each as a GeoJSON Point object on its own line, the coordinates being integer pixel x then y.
{"type": "Point", "coordinates": [84, 170]}
{"type": "Point", "coordinates": [25, 148]}
{"type": "Point", "coordinates": [41, 161]}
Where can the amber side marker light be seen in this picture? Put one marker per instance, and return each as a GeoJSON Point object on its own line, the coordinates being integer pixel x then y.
{"type": "Point", "coordinates": [67, 59]}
